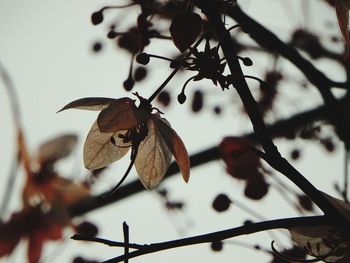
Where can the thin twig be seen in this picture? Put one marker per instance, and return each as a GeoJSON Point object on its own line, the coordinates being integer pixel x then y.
{"type": "Point", "coordinates": [224, 234]}
{"type": "Point", "coordinates": [107, 242]}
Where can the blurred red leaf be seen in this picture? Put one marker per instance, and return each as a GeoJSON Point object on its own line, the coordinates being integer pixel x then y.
{"type": "Point", "coordinates": [240, 161]}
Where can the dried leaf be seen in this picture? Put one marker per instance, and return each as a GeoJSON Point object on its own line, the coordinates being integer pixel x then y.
{"type": "Point", "coordinates": [57, 148]}
{"type": "Point", "coordinates": [153, 157]}
{"type": "Point", "coordinates": [93, 104]}
{"type": "Point", "coordinates": [176, 146]}
{"type": "Point", "coordinates": [184, 29]}
{"type": "Point", "coordinates": [324, 241]}
{"type": "Point", "coordinates": [119, 115]}
{"type": "Point", "coordinates": [342, 8]}
{"type": "Point", "coordinates": [100, 151]}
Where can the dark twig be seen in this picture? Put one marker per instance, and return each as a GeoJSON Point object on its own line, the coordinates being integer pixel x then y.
{"type": "Point", "coordinates": [172, 74]}
{"type": "Point", "coordinates": [110, 243]}
{"type": "Point", "coordinates": [224, 234]}
{"type": "Point", "coordinates": [126, 240]}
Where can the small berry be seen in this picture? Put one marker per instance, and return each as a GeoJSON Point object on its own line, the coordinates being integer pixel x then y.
{"type": "Point", "coordinates": [129, 83]}
{"type": "Point", "coordinates": [112, 34]}
{"type": "Point", "coordinates": [197, 103]}
{"type": "Point", "coordinates": [97, 47]}
{"type": "Point", "coordinates": [295, 154]}
{"type": "Point", "coordinates": [164, 98]}
{"type": "Point", "coordinates": [97, 18]}
{"type": "Point", "coordinates": [216, 245]}
{"type": "Point", "coordinates": [181, 98]}
{"type": "Point", "coordinates": [142, 58]}
{"type": "Point", "coordinates": [140, 73]}
{"type": "Point", "coordinates": [221, 203]}
{"type": "Point", "coordinates": [217, 110]}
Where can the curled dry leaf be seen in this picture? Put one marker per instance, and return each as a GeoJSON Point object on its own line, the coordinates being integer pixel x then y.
{"type": "Point", "coordinates": [342, 8]}
{"type": "Point", "coordinates": [102, 149]}
{"type": "Point", "coordinates": [324, 242]}
{"type": "Point", "coordinates": [93, 104]}
{"type": "Point", "coordinates": [57, 148]}
{"type": "Point", "coordinates": [184, 29]}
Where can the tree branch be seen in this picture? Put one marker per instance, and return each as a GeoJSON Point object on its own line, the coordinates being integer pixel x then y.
{"type": "Point", "coordinates": [224, 234]}
{"type": "Point", "coordinates": [273, 157]}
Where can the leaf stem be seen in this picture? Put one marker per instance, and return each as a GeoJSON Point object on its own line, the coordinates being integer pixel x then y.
{"type": "Point", "coordinates": [172, 74]}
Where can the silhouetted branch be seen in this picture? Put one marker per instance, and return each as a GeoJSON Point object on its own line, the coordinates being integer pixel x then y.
{"type": "Point", "coordinates": [224, 234]}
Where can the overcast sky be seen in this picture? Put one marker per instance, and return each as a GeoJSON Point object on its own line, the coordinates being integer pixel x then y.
{"type": "Point", "coordinates": [46, 48]}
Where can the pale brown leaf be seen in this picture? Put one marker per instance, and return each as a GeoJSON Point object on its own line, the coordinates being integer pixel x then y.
{"type": "Point", "coordinates": [153, 157]}
{"type": "Point", "coordinates": [176, 146]}
{"type": "Point", "coordinates": [99, 149]}
{"type": "Point", "coordinates": [57, 148]}
{"type": "Point", "coordinates": [92, 103]}
{"type": "Point", "coordinates": [119, 115]}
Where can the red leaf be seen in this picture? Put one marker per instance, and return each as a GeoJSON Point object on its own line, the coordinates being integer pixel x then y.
{"type": "Point", "coordinates": [184, 29]}
{"type": "Point", "coordinates": [176, 146]}
{"type": "Point", "coordinates": [94, 104]}
{"type": "Point", "coordinates": [119, 115]}
{"type": "Point", "coordinates": [342, 9]}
